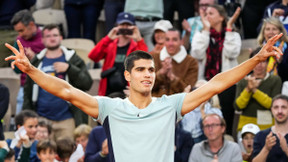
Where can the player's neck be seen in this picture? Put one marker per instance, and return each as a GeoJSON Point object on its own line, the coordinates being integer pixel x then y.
{"type": "Point", "coordinates": [141, 101]}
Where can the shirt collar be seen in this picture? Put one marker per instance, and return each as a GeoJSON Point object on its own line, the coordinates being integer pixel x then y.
{"type": "Point", "coordinates": [178, 57]}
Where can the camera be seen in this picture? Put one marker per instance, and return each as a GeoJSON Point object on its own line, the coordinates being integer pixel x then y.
{"type": "Point", "coordinates": [123, 31]}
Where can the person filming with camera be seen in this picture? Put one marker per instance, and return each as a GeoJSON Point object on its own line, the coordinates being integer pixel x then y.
{"type": "Point", "coordinates": [123, 39]}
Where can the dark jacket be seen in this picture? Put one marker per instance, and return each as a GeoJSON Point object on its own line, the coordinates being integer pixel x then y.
{"type": "Point", "coordinates": [77, 75]}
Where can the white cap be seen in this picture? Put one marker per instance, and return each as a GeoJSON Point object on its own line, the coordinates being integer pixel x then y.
{"type": "Point", "coordinates": [163, 25]}
{"type": "Point", "coordinates": [250, 128]}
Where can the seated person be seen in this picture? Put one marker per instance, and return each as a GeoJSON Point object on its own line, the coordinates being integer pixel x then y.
{"type": "Point", "coordinates": [247, 138]}
{"type": "Point", "coordinates": [44, 129]}
{"type": "Point", "coordinates": [27, 120]}
{"type": "Point", "coordinates": [46, 150]}
{"type": "Point", "coordinates": [81, 134]}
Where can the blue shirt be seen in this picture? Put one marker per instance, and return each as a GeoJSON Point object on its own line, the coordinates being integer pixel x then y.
{"type": "Point", "coordinates": [48, 105]}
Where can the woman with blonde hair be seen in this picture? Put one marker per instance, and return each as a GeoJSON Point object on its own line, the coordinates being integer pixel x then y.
{"type": "Point", "coordinates": [272, 26]}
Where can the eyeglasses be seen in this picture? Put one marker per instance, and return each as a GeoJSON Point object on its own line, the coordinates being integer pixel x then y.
{"type": "Point", "coordinates": [211, 126]}
{"type": "Point", "coordinates": [204, 5]}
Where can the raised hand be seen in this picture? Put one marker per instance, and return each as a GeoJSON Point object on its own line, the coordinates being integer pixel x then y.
{"type": "Point", "coordinates": [205, 22]}
{"type": "Point", "coordinates": [269, 49]}
{"type": "Point", "coordinates": [283, 143]}
{"type": "Point", "coordinates": [113, 33]}
{"type": "Point", "coordinates": [234, 17]}
{"type": "Point", "coordinates": [136, 33]}
{"type": "Point", "coordinates": [186, 26]}
{"type": "Point", "coordinates": [270, 141]}
{"type": "Point", "coordinates": [20, 59]}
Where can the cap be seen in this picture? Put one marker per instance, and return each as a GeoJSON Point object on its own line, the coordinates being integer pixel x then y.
{"type": "Point", "coordinates": [163, 25]}
{"type": "Point", "coordinates": [125, 17]}
{"type": "Point", "coordinates": [250, 128]}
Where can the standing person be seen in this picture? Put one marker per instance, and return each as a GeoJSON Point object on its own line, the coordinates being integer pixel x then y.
{"type": "Point", "coordinates": [216, 147]}
{"type": "Point", "coordinates": [175, 70]}
{"type": "Point", "coordinates": [31, 37]}
{"type": "Point", "coordinates": [146, 13]}
{"type": "Point", "coordinates": [114, 48]}
{"type": "Point", "coordinates": [56, 60]}
{"type": "Point", "coordinates": [82, 15]}
{"type": "Point", "coordinates": [216, 48]}
{"type": "Point", "coordinates": [112, 8]}
{"type": "Point", "coordinates": [140, 128]}
{"type": "Point", "coordinates": [271, 144]}
{"type": "Point", "coordinates": [254, 96]}
{"type": "Point", "coordinates": [4, 103]}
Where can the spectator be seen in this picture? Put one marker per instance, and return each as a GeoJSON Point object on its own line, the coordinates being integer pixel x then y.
{"type": "Point", "coordinates": [46, 150]}
{"type": "Point", "coordinates": [65, 148]}
{"type": "Point", "coordinates": [4, 103]}
{"type": "Point", "coordinates": [254, 96]}
{"type": "Point", "coordinates": [82, 15]}
{"type": "Point", "coordinates": [58, 61]}
{"type": "Point", "coordinates": [146, 13]}
{"type": "Point", "coordinates": [140, 115]}
{"type": "Point", "coordinates": [194, 24]}
{"type": "Point", "coordinates": [191, 121]}
{"type": "Point", "coordinates": [28, 33]}
{"type": "Point", "coordinates": [7, 9]}
{"type": "Point", "coordinates": [216, 48]}
{"type": "Point", "coordinates": [216, 147]}
{"type": "Point", "coordinates": [272, 26]}
{"type": "Point", "coordinates": [221, 53]}
{"type": "Point", "coordinates": [114, 48]}
{"type": "Point", "coordinates": [81, 134]}
{"type": "Point", "coordinates": [271, 144]}
{"type": "Point", "coordinates": [44, 129]}
{"type": "Point", "coordinates": [248, 133]}
{"type": "Point", "coordinates": [26, 121]}
{"type": "Point", "coordinates": [175, 70]}
{"type": "Point", "coordinates": [97, 146]}
{"type": "Point", "coordinates": [159, 35]}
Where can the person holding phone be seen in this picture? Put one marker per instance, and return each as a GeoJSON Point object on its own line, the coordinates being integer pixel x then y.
{"type": "Point", "coordinates": [123, 39]}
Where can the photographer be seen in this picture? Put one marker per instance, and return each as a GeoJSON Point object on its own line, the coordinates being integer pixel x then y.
{"type": "Point", "coordinates": [113, 48]}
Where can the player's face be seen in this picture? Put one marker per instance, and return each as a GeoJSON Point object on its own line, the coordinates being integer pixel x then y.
{"type": "Point", "coordinates": [142, 76]}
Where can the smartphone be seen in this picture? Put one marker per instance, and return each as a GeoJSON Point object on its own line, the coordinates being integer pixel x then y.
{"type": "Point", "coordinates": [123, 31]}
{"type": "Point", "coordinates": [20, 132]}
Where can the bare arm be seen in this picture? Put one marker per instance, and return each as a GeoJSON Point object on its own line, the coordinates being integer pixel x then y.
{"type": "Point", "coordinates": [226, 79]}
{"type": "Point", "coordinates": [53, 85]}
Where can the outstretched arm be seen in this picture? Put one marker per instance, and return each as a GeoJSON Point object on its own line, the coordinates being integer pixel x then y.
{"type": "Point", "coordinates": [53, 85]}
{"type": "Point", "coordinates": [226, 79]}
